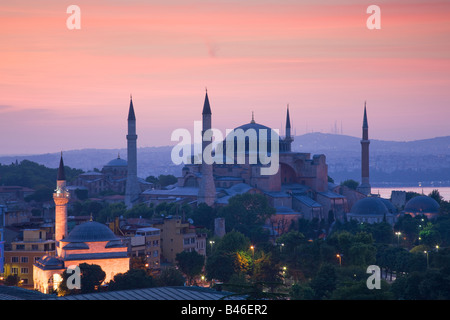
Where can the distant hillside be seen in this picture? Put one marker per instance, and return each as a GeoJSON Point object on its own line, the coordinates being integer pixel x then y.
{"type": "Point", "coordinates": [390, 161]}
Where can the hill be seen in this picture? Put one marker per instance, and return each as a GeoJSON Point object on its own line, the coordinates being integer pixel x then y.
{"type": "Point", "coordinates": [390, 161]}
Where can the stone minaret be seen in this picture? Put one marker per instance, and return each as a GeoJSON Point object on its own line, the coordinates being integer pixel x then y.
{"type": "Point", "coordinates": [365, 184]}
{"type": "Point", "coordinates": [207, 190]}
{"type": "Point", "coordinates": [61, 198]}
{"type": "Point", "coordinates": [132, 189]}
{"type": "Point", "coordinates": [288, 137]}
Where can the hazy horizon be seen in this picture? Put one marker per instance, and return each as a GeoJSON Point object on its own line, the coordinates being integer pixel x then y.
{"type": "Point", "coordinates": [124, 147]}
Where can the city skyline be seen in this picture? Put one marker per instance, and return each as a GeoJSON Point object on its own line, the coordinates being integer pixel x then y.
{"type": "Point", "coordinates": [67, 89]}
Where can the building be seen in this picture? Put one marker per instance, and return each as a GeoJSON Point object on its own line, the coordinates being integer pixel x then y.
{"type": "Point", "coordinates": [111, 178]}
{"type": "Point", "coordinates": [89, 242]}
{"type": "Point", "coordinates": [2, 237]}
{"type": "Point", "coordinates": [14, 194]}
{"type": "Point", "coordinates": [147, 243]}
{"type": "Point", "coordinates": [177, 236]}
{"type": "Point", "coordinates": [300, 185]}
{"type": "Point", "coordinates": [24, 252]}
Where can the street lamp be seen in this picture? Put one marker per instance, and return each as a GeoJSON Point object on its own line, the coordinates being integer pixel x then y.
{"type": "Point", "coordinates": [253, 251]}
{"type": "Point", "coordinates": [339, 256]}
{"type": "Point", "coordinates": [398, 233]}
{"type": "Point", "coordinates": [426, 252]}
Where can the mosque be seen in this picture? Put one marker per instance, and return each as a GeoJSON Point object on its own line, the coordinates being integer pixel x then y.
{"type": "Point", "coordinates": [90, 242]}
{"type": "Point", "coordinates": [300, 187]}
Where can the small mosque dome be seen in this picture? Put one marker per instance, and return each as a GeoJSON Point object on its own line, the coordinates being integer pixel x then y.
{"type": "Point", "coordinates": [117, 163]}
{"type": "Point", "coordinates": [90, 232]}
{"type": "Point", "coordinates": [422, 205]}
{"type": "Point", "coordinates": [370, 206]}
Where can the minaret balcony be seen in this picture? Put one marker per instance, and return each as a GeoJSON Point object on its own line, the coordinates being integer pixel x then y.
{"type": "Point", "coordinates": [61, 195]}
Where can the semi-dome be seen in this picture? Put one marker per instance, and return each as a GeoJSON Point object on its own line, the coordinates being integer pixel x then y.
{"type": "Point", "coordinates": [369, 206]}
{"type": "Point", "coordinates": [90, 232]}
{"type": "Point", "coordinates": [422, 205]}
{"type": "Point", "coordinates": [117, 163]}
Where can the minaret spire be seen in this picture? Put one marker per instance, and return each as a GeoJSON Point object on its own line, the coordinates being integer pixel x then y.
{"type": "Point", "coordinates": [132, 190]}
{"type": "Point", "coordinates": [365, 184]}
{"type": "Point", "coordinates": [288, 139]}
{"type": "Point", "coordinates": [207, 189]}
{"type": "Point", "coordinates": [61, 173]}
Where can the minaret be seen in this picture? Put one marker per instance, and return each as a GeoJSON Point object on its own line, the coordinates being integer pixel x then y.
{"type": "Point", "coordinates": [365, 185]}
{"type": "Point", "coordinates": [207, 190]}
{"type": "Point", "coordinates": [288, 137]}
{"type": "Point", "coordinates": [132, 186]}
{"type": "Point", "coordinates": [61, 198]}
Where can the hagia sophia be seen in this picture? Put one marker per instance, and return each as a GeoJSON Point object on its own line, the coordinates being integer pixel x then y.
{"type": "Point", "coordinates": [300, 189]}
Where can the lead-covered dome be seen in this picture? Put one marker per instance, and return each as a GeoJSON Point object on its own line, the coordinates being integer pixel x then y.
{"type": "Point", "coordinates": [90, 232]}
{"type": "Point", "coordinates": [422, 205]}
{"type": "Point", "coordinates": [255, 135]}
{"type": "Point", "coordinates": [370, 206]}
{"type": "Point", "coordinates": [117, 163]}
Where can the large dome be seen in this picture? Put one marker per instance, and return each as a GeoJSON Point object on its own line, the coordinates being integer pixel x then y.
{"type": "Point", "coordinates": [90, 232]}
{"type": "Point", "coordinates": [370, 206]}
{"type": "Point", "coordinates": [422, 204]}
{"type": "Point", "coordinates": [253, 138]}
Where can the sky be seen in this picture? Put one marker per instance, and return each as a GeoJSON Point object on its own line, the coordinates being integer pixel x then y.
{"type": "Point", "coordinates": [64, 89]}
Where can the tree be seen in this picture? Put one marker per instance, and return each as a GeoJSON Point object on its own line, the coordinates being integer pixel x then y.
{"type": "Point", "coordinates": [246, 213]}
{"type": "Point", "coordinates": [221, 263]}
{"type": "Point", "coordinates": [220, 266]}
{"type": "Point", "coordinates": [132, 279]}
{"type": "Point", "coordinates": [324, 283]}
{"type": "Point", "coordinates": [232, 242]}
{"type": "Point", "coordinates": [430, 236]}
{"type": "Point", "coordinates": [165, 180]}
{"type": "Point", "coordinates": [190, 263]}
{"type": "Point", "coordinates": [301, 292]}
{"type": "Point", "coordinates": [204, 215]}
{"type": "Point", "coordinates": [350, 183]}
{"type": "Point", "coordinates": [81, 194]}
{"type": "Point", "coordinates": [92, 277]}
{"type": "Point", "coordinates": [12, 280]}
{"type": "Point", "coordinates": [436, 196]}
{"type": "Point", "coordinates": [267, 270]}
{"type": "Point", "coordinates": [170, 277]}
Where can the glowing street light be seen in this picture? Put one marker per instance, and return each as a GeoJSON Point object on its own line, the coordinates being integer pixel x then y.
{"type": "Point", "coordinates": [398, 233]}
{"type": "Point", "coordinates": [339, 256]}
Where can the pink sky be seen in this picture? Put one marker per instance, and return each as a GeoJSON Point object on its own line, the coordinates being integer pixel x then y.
{"type": "Point", "coordinates": [64, 89]}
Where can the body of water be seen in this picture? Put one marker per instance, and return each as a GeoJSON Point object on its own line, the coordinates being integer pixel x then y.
{"type": "Point", "coordinates": [386, 192]}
